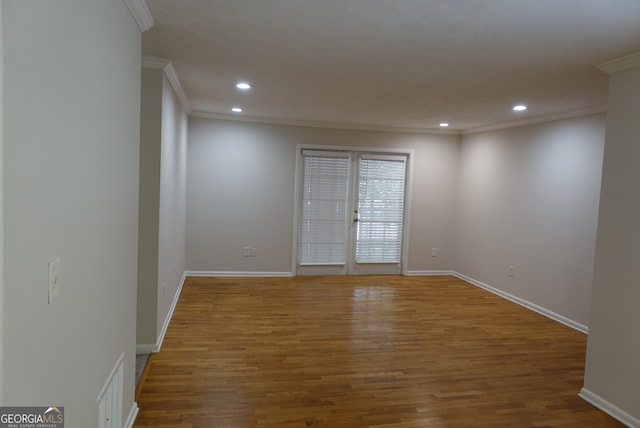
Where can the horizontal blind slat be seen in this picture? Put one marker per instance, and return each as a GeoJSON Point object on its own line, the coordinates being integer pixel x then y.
{"type": "Point", "coordinates": [322, 234]}
{"type": "Point", "coordinates": [381, 210]}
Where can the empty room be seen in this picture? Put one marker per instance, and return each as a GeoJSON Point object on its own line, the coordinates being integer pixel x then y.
{"type": "Point", "coordinates": [365, 213]}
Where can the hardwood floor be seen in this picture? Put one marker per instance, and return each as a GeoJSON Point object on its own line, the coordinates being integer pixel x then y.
{"type": "Point", "coordinates": [361, 352]}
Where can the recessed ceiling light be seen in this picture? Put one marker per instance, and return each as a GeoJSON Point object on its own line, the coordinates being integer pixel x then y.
{"type": "Point", "coordinates": [236, 110]}
{"type": "Point", "coordinates": [519, 107]}
{"type": "Point", "coordinates": [444, 124]}
{"type": "Point", "coordinates": [243, 86]}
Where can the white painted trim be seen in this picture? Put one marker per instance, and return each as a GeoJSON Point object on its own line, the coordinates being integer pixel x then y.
{"type": "Point", "coordinates": [146, 348]}
{"type": "Point", "coordinates": [155, 62]}
{"type": "Point", "coordinates": [402, 130]}
{"type": "Point", "coordinates": [361, 149]}
{"type": "Point", "coordinates": [406, 233]}
{"type": "Point", "coordinates": [167, 320]}
{"type": "Point", "coordinates": [620, 64]}
{"type": "Point", "coordinates": [166, 65]}
{"type": "Point", "coordinates": [154, 348]}
{"type": "Point", "coordinates": [297, 188]}
{"type": "Point", "coordinates": [585, 394]}
{"type": "Point", "coordinates": [133, 414]}
{"type": "Point", "coordinates": [317, 124]}
{"type": "Point", "coordinates": [115, 368]}
{"type": "Point", "coordinates": [140, 13]}
{"type": "Point", "coordinates": [408, 208]}
{"type": "Point", "coordinates": [537, 120]}
{"type": "Point", "coordinates": [430, 273]}
{"type": "Point", "coordinates": [1, 205]}
{"type": "Point", "coordinates": [111, 396]}
{"type": "Point", "coordinates": [609, 408]}
{"type": "Point", "coordinates": [177, 87]}
{"type": "Point", "coordinates": [238, 274]}
{"type": "Point", "coordinates": [522, 302]}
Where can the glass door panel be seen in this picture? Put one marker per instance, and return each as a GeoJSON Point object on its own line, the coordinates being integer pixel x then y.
{"type": "Point", "coordinates": [351, 223]}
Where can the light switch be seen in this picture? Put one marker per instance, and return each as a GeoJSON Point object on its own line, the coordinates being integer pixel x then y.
{"type": "Point", "coordinates": [54, 279]}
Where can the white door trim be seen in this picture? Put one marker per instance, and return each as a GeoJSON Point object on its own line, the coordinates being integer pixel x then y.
{"type": "Point", "coordinates": [383, 150]}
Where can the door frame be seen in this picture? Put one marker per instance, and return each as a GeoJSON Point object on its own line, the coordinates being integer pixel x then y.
{"type": "Point", "coordinates": [360, 149]}
{"type": "Point", "coordinates": [355, 268]}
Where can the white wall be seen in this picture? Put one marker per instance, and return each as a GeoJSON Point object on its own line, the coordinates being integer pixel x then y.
{"type": "Point", "coordinates": [241, 188]}
{"type": "Point", "coordinates": [162, 230]}
{"type": "Point", "coordinates": [1, 208]}
{"type": "Point", "coordinates": [528, 198]}
{"type": "Point", "coordinates": [172, 239]}
{"type": "Point", "coordinates": [71, 132]}
{"type": "Point", "coordinates": [525, 197]}
{"type": "Point", "coordinates": [612, 376]}
{"type": "Point", "coordinates": [149, 204]}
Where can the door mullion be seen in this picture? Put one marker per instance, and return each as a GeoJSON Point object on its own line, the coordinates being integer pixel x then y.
{"type": "Point", "coordinates": [353, 205]}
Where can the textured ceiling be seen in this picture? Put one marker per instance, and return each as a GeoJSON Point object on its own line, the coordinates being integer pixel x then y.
{"type": "Point", "coordinates": [394, 64]}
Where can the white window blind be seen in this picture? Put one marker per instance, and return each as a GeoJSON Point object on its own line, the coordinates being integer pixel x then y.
{"type": "Point", "coordinates": [380, 209]}
{"type": "Point", "coordinates": [323, 231]}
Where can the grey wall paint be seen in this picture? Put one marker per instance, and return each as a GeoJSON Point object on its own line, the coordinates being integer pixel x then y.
{"type": "Point", "coordinates": [528, 198]}
{"type": "Point", "coordinates": [525, 197]}
{"type": "Point", "coordinates": [71, 138]}
{"type": "Point", "coordinates": [149, 211]}
{"type": "Point", "coordinates": [162, 230]}
{"type": "Point", "coordinates": [241, 188]}
{"type": "Point", "coordinates": [613, 350]}
{"type": "Point", "coordinates": [172, 225]}
{"type": "Point", "coordinates": [1, 204]}
{"type": "Point", "coordinates": [62, 199]}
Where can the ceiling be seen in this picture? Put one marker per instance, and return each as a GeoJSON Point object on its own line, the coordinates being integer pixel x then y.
{"type": "Point", "coordinates": [393, 64]}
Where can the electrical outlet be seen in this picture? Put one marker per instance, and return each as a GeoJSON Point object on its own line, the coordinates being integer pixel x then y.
{"type": "Point", "coordinates": [512, 270]}
{"type": "Point", "coordinates": [253, 252]}
{"type": "Point", "coordinates": [434, 252]}
{"type": "Point", "coordinates": [247, 251]}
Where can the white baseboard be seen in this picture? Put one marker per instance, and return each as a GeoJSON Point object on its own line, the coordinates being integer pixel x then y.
{"type": "Point", "coordinates": [585, 394]}
{"type": "Point", "coordinates": [522, 302]}
{"type": "Point", "coordinates": [146, 348]}
{"type": "Point", "coordinates": [133, 414]}
{"type": "Point", "coordinates": [610, 409]}
{"type": "Point", "coordinates": [238, 274]}
{"type": "Point", "coordinates": [153, 348]}
{"type": "Point", "coordinates": [167, 319]}
{"type": "Point", "coordinates": [429, 272]}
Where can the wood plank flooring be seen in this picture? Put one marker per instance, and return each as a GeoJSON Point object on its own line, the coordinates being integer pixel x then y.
{"type": "Point", "coordinates": [355, 352]}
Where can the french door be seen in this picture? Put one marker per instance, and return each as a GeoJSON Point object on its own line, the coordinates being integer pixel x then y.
{"type": "Point", "coordinates": [351, 213]}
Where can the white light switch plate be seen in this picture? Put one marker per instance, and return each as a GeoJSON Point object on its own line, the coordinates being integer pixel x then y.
{"type": "Point", "coordinates": [54, 279]}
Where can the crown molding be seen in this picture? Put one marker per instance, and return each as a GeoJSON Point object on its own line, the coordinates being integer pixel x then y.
{"type": "Point", "coordinates": [431, 131]}
{"type": "Point", "coordinates": [140, 13]}
{"type": "Point", "coordinates": [177, 87]}
{"type": "Point", "coordinates": [154, 62]}
{"type": "Point", "coordinates": [316, 124]}
{"type": "Point", "coordinates": [619, 64]}
{"type": "Point", "coordinates": [164, 64]}
{"type": "Point", "coordinates": [537, 119]}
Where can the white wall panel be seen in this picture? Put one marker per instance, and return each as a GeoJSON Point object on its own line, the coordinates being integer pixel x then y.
{"type": "Point", "coordinates": [528, 199]}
